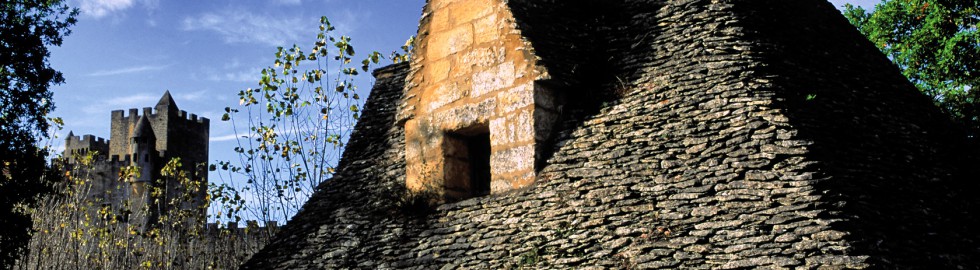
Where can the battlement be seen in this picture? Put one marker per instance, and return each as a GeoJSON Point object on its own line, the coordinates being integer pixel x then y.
{"type": "Point", "coordinates": [164, 132]}
{"type": "Point", "coordinates": [181, 115]}
{"type": "Point", "coordinates": [86, 140]}
{"type": "Point", "coordinates": [134, 114]}
{"type": "Point", "coordinates": [192, 118]}
{"type": "Point", "coordinates": [76, 145]}
{"type": "Point", "coordinates": [121, 115]}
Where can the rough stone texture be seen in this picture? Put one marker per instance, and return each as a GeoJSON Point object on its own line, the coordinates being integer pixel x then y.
{"type": "Point", "coordinates": [740, 134]}
{"type": "Point", "coordinates": [473, 74]}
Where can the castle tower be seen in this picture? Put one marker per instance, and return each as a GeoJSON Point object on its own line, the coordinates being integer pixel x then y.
{"type": "Point", "coordinates": [166, 105]}
{"type": "Point", "coordinates": [76, 145]}
{"type": "Point", "coordinates": [142, 149]}
{"type": "Point", "coordinates": [148, 140]}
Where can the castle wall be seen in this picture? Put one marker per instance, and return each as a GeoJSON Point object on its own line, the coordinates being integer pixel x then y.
{"type": "Point", "coordinates": [120, 128]}
{"type": "Point", "coordinates": [187, 138]}
{"type": "Point", "coordinates": [475, 74]}
{"type": "Point", "coordinates": [176, 134]}
{"type": "Point", "coordinates": [84, 144]}
{"type": "Point", "coordinates": [103, 181]}
{"type": "Point", "coordinates": [751, 134]}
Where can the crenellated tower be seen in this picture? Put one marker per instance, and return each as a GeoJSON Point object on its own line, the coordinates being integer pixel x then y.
{"type": "Point", "coordinates": [84, 144]}
{"type": "Point", "coordinates": [146, 141]}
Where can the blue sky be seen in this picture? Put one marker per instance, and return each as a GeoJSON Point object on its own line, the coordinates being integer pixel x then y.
{"type": "Point", "coordinates": [866, 4]}
{"type": "Point", "coordinates": [125, 53]}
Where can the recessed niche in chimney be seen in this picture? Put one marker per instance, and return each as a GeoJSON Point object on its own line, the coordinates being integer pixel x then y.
{"type": "Point", "coordinates": [467, 167]}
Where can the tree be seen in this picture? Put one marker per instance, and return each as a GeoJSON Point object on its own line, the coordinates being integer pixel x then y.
{"type": "Point", "coordinates": [77, 228]}
{"type": "Point", "coordinates": [295, 124]}
{"type": "Point", "coordinates": [937, 46]}
{"type": "Point", "coordinates": [27, 28]}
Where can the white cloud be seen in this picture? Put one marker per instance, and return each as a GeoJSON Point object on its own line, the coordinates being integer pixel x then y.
{"type": "Point", "coordinates": [131, 101]}
{"type": "Point", "coordinates": [193, 96]}
{"type": "Point", "coordinates": [234, 63]}
{"type": "Point", "coordinates": [122, 103]}
{"type": "Point", "coordinates": [242, 26]}
{"type": "Point", "coordinates": [236, 76]}
{"type": "Point", "coordinates": [246, 27]}
{"type": "Point", "coordinates": [127, 70]}
{"type": "Point", "coordinates": [151, 4]}
{"type": "Point", "coordinates": [346, 21]}
{"type": "Point", "coordinates": [234, 71]}
{"type": "Point", "coordinates": [102, 8]}
{"type": "Point", "coordinates": [225, 138]}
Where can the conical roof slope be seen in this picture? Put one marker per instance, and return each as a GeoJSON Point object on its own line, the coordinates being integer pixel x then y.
{"type": "Point", "coordinates": [167, 101]}
{"type": "Point", "coordinates": [143, 128]}
{"type": "Point", "coordinates": [740, 134]}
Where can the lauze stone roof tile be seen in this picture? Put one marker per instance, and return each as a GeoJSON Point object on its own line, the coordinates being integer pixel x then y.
{"type": "Point", "coordinates": [688, 134]}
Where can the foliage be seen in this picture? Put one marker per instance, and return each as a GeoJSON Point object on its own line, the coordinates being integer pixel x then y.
{"type": "Point", "coordinates": [937, 46]}
{"type": "Point", "coordinates": [297, 121]}
{"type": "Point", "coordinates": [79, 228]}
{"type": "Point", "coordinates": [24, 177]}
{"type": "Point", "coordinates": [27, 28]}
{"type": "Point", "coordinates": [405, 54]}
{"type": "Point", "coordinates": [415, 203]}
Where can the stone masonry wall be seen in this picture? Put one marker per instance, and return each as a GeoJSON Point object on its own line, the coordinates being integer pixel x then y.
{"type": "Point", "coordinates": [175, 134]}
{"type": "Point", "coordinates": [750, 134]}
{"type": "Point", "coordinates": [84, 144]}
{"type": "Point", "coordinates": [475, 75]}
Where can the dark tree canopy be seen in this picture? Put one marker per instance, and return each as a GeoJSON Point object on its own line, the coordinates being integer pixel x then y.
{"type": "Point", "coordinates": [27, 28]}
{"type": "Point", "coordinates": [937, 46]}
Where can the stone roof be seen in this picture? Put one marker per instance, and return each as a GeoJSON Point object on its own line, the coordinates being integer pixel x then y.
{"type": "Point", "coordinates": [167, 101]}
{"type": "Point", "coordinates": [143, 128]}
{"type": "Point", "coordinates": [743, 134]}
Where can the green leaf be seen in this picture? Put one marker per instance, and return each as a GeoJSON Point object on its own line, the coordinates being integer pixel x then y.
{"type": "Point", "coordinates": [935, 44]}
